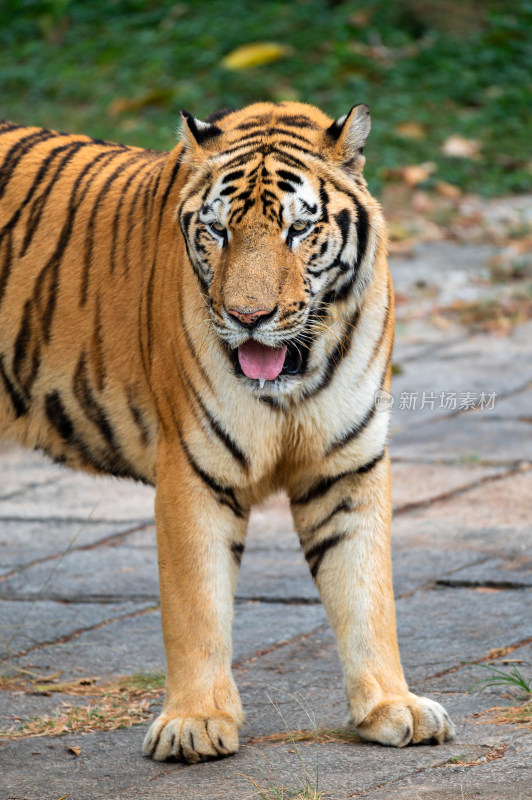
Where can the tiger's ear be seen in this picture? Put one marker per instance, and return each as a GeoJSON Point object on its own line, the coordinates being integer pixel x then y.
{"type": "Point", "coordinates": [197, 136]}
{"type": "Point", "coordinates": [347, 136]}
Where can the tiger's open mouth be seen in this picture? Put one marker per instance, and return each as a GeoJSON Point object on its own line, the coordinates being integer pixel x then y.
{"type": "Point", "coordinates": [260, 362]}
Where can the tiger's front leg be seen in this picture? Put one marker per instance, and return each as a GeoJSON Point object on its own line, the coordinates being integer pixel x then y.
{"type": "Point", "coordinates": [200, 539]}
{"type": "Point", "coordinates": [344, 526]}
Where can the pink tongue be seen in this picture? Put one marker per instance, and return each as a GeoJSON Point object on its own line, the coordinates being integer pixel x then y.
{"type": "Point", "coordinates": [259, 361]}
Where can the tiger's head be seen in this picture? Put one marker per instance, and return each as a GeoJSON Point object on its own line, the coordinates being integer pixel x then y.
{"type": "Point", "coordinates": [279, 226]}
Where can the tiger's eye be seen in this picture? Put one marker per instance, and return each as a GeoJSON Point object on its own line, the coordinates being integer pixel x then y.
{"type": "Point", "coordinates": [299, 225]}
{"type": "Point", "coordinates": [218, 227]}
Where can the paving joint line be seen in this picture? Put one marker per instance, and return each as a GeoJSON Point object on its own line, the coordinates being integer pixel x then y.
{"type": "Point", "coordinates": [300, 637]}
{"type": "Point", "coordinates": [107, 540]}
{"type": "Point", "coordinates": [30, 486]}
{"type": "Point", "coordinates": [78, 632]}
{"type": "Point", "coordinates": [511, 648]}
{"type": "Point", "coordinates": [87, 599]}
{"type": "Point", "coordinates": [452, 493]}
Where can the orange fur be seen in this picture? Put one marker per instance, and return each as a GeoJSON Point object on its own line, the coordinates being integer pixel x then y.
{"type": "Point", "coordinates": [126, 277]}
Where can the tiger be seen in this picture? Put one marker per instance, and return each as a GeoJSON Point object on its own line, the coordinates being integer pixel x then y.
{"type": "Point", "coordinates": [216, 321]}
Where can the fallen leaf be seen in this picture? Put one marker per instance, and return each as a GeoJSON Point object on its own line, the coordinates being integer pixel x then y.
{"type": "Point", "coordinates": [448, 190]}
{"type": "Point", "coordinates": [153, 97]}
{"type": "Point", "coordinates": [411, 130]}
{"type": "Point", "coordinates": [422, 203]}
{"type": "Point", "coordinates": [75, 750]}
{"type": "Point", "coordinates": [255, 55]}
{"type": "Point", "coordinates": [414, 174]}
{"type": "Point", "coordinates": [398, 232]}
{"type": "Point", "coordinates": [460, 147]}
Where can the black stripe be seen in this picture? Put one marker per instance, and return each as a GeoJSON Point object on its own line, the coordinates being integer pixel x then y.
{"type": "Point", "coordinates": [7, 260]}
{"type": "Point", "coordinates": [322, 487]}
{"type": "Point", "coordinates": [6, 126]}
{"type": "Point", "coordinates": [344, 505]}
{"type": "Point", "coordinates": [336, 357]}
{"type": "Point", "coordinates": [168, 189]}
{"type": "Point", "coordinates": [289, 176]}
{"type": "Point", "coordinates": [286, 187]}
{"type": "Point", "coordinates": [271, 401]}
{"type": "Point", "coordinates": [58, 417]}
{"type": "Point", "coordinates": [131, 220]}
{"type": "Point", "coordinates": [149, 297]}
{"type": "Point", "coordinates": [91, 225]}
{"type": "Point", "coordinates": [39, 203]}
{"type": "Point", "coordinates": [237, 549]}
{"type": "Point", "coordinates": [224, 494]}
{"type": "Point", "coordinates": [112, 459]}
{"type": "Point", "coordinates": [26, 358]}
{"type": "Point", "coordinates": [118, 212]}
{"type": "Point", "coordinates": [297, 121]}
{"type": "Point", "coordinates": [17, 152]}
{"type": "Point", "coordinates": [223, 436]}
{"type": "Point", "coordinates": [233, 176]}
{"type": "Point", "coordinates": [191, 347]}
{"type": "Point", "coordinates": [46, 163]}
{"type": "Point", "coordinates": [85, 396]}
{"type": "Point", "coordinates": [19, 403]}
{"type": "Point", "coordinates": [45, 293]}
{"type": "Point", "coordinates": [317, 553]}
{"type": "Point", "coordinates": [97, 350]}
{"type": "Point", "coordinates": [353, 432]}
{"type": "Point", "coordinates": [262, 133]}
{"type": "Point", "coordinates": [362, 228]}
{"type": "Point", "coordinates": [138, 418]}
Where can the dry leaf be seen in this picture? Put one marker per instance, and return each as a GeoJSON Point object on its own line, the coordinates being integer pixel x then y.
{"type": "Point", "coordinates": [422, 203]}
{"type": "Point", "coordinates": [255, 54]}
{"type": "Point", "coordinates": [411, 130]}
{"type": "Point", "coordinates": [460, 147]}
{"type": "Point", "coordinates": [448, 190]}
{"type": "Point", "coordinates": [153, 97]}
{"type": "Point", "coordinates": [75, 750]}
{"type": "Point", "coordinates": [414, 174]}
{"type": "Point", "coordinates": [398, 232]}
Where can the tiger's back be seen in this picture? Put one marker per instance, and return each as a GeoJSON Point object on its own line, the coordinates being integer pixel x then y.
{"type": "Point", "coordinates": [76, 244]}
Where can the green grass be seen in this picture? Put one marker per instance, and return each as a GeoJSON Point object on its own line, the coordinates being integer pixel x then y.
{"type": "Point", "coordinates": [452, 67]}
{"type": "Point", "coordinates": [513, 679]}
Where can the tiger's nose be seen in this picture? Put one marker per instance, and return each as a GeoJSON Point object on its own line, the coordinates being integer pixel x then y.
{"type": "Point", "coordinates": [251, 319]}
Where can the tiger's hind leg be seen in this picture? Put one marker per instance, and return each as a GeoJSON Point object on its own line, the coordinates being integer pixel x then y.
{"type": "Point", "coordinates": [344, 527]}
{"type": "Point", "coordinates": [200, 538]}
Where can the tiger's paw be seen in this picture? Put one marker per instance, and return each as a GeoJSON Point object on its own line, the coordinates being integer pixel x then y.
{"type": "Point", "coordinates": [191, 739]}
{"type": "Point", "coordinates": [410, 720]}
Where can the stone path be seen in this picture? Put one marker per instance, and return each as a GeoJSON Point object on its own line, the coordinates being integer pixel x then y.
{"type": "Point", "coordinates": [79, 595]}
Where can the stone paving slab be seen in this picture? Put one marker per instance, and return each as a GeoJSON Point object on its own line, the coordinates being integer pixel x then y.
{"type": "Point", "coordinates": [475, 365]}
{"type": "Point", "coordinates": [133, 644]}
{"type": "Point", "coordinates": [26, 625]}
{"type": "Point", "coordinates": [462, 576]}
{"type": "Point", "coordinates": [84, 498]}
{"type": "Point", "coordinates": [104, 574]}
{"type": "Point", "coordinates": [492, 518]}
{"type": "Point", "coordinates": [24, 542]}
{"type": "Point", "coordinates": [466, 437]}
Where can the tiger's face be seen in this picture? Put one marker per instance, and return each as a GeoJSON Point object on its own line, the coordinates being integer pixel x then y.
{"type": "Point", "coordinates": [276, 230]}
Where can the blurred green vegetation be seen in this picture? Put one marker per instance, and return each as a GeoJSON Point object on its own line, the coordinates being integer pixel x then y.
{"type": "Point", "coordinates": [121, 69]}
